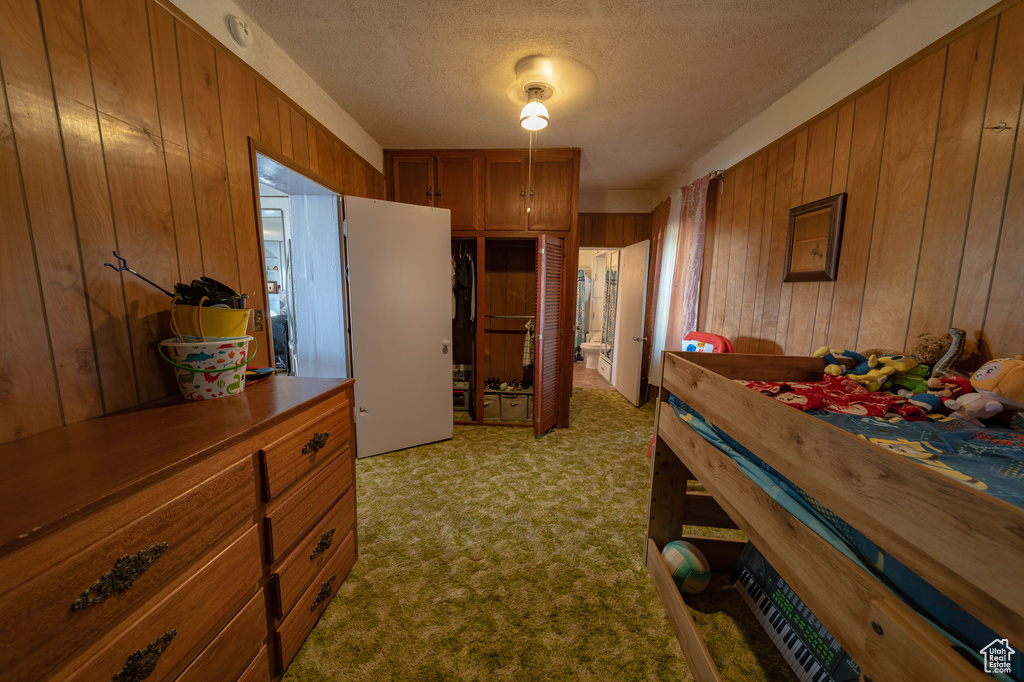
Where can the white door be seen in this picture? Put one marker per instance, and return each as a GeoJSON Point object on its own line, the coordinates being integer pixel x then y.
{"type": "Point", "coordinates": [629, 320]}
{"type": "Point", "coordinates": [400, 296]}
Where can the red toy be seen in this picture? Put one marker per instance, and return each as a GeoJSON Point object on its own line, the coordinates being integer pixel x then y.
{"type": "Point", "coordinates": [702, 342]}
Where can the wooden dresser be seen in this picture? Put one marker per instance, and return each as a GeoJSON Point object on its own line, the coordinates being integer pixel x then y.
{"type": "Point", "coordinates": [195, 541]}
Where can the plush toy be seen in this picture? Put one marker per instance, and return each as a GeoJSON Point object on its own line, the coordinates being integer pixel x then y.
{"type": "Point", "coordinates": [950, 387]}
{"type": "Point", "coordinates": [930, 402]}
{"type": "Point", "coordinates": [998, 386]}
{"type": "Point", "coordinates": [884, 367]}
{"type": "Point", "coordinates": [836, 368]}
{"type": "Point", "coordinates": [914, 379]}
{"type": "Point", "coordinates": [873, 379]}
{"type": "Point", "coordinates": [938, 352]}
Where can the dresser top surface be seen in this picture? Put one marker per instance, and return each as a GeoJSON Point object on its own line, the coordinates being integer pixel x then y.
{"type": "Point", "coordinates": [59, 474]}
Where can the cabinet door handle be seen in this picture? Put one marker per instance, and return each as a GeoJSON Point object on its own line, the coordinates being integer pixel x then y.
{"type": "Point", "coordinates": [522, 191]}
{"type": "Point", "coordinates": [325, 590]}
{"type": "Point", "coordinates": [438, 193]}
{"type": "Point", "coordinates": [316, 443]}
{"type": "Point", "coordinates": [142, 662]}
{"type": "Point", "coordinates": [326, 540]}
{"type": "Point", "coordinates": [430, 192]}
{"type": "Point", "coordinates": [119, 578]}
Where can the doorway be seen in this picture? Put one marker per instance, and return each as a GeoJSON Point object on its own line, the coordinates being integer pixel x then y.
{"type": "Point", "coordinates": [304, 262]}
{"type": "Point", "coordinates": [592, 339]}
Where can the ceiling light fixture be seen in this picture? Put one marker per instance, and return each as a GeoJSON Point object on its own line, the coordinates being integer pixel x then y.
{"type": "Point", "coordinates": [534, 115]}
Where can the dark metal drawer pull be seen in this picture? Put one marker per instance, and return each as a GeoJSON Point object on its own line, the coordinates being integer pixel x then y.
{"type": "Point", "coordinates": [325, 544]}
{"type": "Point", "coordinates": [325, 591]}
{"type": "Point", "coordinates": [120, 577]}
{"type": "Point", "coordinates": [142, 662]}
{"type": "Point", "coordinates": [314, 444]}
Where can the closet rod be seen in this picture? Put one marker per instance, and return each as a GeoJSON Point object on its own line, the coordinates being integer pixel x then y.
{"type": "Point", "coordinates": [513, 317]}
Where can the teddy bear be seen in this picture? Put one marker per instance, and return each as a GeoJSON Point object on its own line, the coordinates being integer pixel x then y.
{"type": "Point", "coordinates": [938, 352]}
{"type": "Point", "coordinates": [998, 387]}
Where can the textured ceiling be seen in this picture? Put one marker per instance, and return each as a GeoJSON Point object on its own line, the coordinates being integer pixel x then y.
{"type": "Point", "coordinates": [674, 77]}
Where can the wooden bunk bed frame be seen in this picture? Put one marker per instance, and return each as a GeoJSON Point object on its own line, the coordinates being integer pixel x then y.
{"type": "Point", "coordinates": [965, 543]}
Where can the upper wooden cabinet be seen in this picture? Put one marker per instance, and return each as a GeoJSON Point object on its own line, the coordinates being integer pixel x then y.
{"type": "Point", "coordinates": [414, 180]}
{"type": "Point", "coordinates": [441, 179]}
{"type": "Point", "coordinates": [505, 186]}
{"type": "Point", "coordinates": [458, 189]}
{"type": "Point", "coordinates": [552, 185]}
{"type": "Point", "coordinates": [490, 190]}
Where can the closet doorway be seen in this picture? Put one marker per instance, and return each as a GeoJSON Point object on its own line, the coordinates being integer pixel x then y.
{"type": "Point", "coordinates": [303, 259]}
{"type": "Point", "coordinates": [507, 360]}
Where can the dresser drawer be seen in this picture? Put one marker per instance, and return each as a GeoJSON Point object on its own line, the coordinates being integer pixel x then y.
{"type": "Point", "coordinates": [258, 670]}
{"type": "Point", "coordinates": [312, 441]}
{"type": "Point", "coordinates": [295, 628]}
{"type": "Point", "coordinates": [230, 652]}
{"type": "Point", "coordinates": [315, 551]}
{"type": "Point", "coordinates": [169, 629]}
{"type": "Point", "coordinates": [69, 604]}
{"type": "Point", "coordinates": [296, 514]}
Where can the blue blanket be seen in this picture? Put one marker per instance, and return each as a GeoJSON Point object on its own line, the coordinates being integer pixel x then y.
{"type": "Point", "coordinates": [989, 459]}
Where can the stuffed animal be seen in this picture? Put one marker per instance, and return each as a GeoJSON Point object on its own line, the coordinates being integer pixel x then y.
{"type": "Point", "coordinates": [930, 402]}
{"type": "Point", "coordinates": [938, 352]}
{"type": "Point", "coordinates": [914, 379]}
{"type": "Point", "coordinates": [882, 369]}
{"type": "Point", "coordinates": [949, 387]}
{"type": "Point", "coordinates": [998, 386]}
{"type": "Point", "coordinates": [836, 368]}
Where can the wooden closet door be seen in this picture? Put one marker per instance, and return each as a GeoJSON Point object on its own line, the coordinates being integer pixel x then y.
{"type": "Point", "coordinates": [549, 308]}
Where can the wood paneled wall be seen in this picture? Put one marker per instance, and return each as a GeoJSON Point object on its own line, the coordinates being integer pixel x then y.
{"type": "Point", "coordinates": [511, 286]}
{"type": "Point", "coordinates": [611, 230]}
{"type": "Point", "coordinates": [934, 230]}
{"type": "Point", "coordinates": [124, 126]}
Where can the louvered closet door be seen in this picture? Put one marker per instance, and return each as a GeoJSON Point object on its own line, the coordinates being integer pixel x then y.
{"type": "Point", "coordinates": [549, 308]}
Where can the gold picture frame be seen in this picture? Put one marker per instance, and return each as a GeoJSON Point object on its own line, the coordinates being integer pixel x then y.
{"type": "Point", "coordinates": [812, 242]}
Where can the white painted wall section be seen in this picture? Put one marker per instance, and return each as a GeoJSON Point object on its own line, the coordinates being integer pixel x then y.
{"type": "Point", "coordinates": [276, 66]}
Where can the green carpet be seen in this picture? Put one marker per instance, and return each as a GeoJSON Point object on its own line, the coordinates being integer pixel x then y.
{"type": "Point", "coordinates": [499, 556]}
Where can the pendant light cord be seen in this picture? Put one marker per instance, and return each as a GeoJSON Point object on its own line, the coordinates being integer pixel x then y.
{"type": "Point", "coordinates": [529, 174]}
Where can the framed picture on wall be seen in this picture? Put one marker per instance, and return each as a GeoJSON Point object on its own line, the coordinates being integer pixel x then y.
{"type": "Point", "coordinates": [272, 288]}
{"type": "Point", "coordinates": [812, 243]}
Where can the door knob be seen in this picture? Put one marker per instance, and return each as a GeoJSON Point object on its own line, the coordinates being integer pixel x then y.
{"type": "Point", "coordinates": [637, 338]}
{"type": "Point", "coordinates": [444, 346]}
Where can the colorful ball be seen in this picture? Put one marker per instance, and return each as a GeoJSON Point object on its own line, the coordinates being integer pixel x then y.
{"type": "Point", "coordinates": [688, 566]}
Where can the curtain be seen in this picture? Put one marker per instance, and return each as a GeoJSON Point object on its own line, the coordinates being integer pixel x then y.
{"type": "Point", "coordinates": [659, 225]}
{"type": "Point", "coordinates": [682, 313]}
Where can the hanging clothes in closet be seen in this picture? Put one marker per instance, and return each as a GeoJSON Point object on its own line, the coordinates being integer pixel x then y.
{"type": "Point", "coordinates": [463, 289]}
{"type": "Point", "coordinates": [528, 344]}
